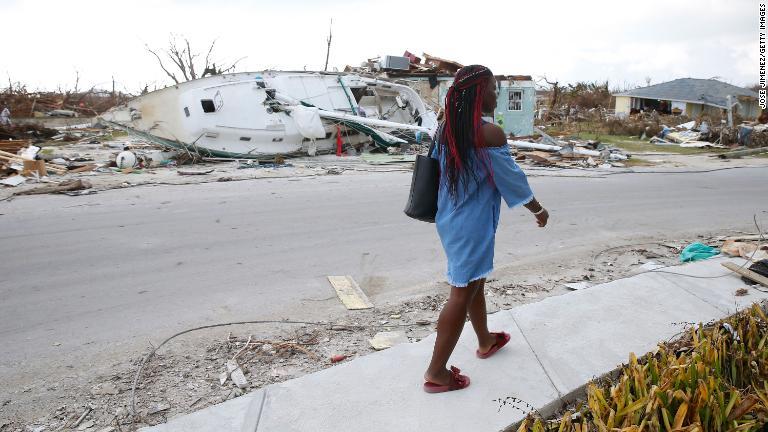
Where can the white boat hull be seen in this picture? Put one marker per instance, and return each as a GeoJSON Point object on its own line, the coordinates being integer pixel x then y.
{"type": "Point", "coordinates": [238, 115]}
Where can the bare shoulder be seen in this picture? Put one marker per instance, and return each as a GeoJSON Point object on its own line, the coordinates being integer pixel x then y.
{"type": "Point", "coordinates": [493, 135]}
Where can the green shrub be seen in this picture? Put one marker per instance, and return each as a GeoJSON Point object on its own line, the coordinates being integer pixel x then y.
{"type": "Point", "coordinates": [710, 380]}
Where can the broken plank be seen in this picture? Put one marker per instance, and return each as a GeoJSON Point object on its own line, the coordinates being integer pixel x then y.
{"type": "Point", "coordinates": [749, 274]}
{"type": "Point", "coordinates": [349, 292]}
{"type": "Point", "coordinates": [83, 168]}
{"type": "Point", "coordinates": [746, 237]}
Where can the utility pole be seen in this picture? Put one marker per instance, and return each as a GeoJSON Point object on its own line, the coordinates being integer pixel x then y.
{"type": "Point", "coordinates": [730, 110]}
{"type": "Point", "coordinates": [328, 51]}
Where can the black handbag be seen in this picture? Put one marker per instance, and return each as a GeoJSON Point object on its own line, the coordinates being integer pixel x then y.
{"type": "Point", "coordinates": [422, 201]}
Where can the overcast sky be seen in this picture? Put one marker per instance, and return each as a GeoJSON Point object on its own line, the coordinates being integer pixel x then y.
{"type": "Point", "coordinates": [46, 41]}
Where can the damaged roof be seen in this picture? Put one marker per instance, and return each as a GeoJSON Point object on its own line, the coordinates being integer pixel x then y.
{"type": "Point", "coordinates": [702, 91]}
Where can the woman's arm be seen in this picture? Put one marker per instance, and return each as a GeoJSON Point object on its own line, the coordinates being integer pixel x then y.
{"type": "Point", "coordinates": [508, 181]}
{"type": "Point", "coordinates": [541, 214]}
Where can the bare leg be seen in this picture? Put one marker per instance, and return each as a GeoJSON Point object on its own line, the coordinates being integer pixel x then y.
{"type": "Point", "coordinates": [449, 326]}
{"type": "Point", "coordinates": [479, 318]}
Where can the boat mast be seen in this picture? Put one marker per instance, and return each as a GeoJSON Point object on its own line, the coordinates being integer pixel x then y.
{"type": "Point", "coordinates": [328, 51]}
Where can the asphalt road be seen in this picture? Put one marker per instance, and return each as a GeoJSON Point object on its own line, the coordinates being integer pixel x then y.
{"type": "Point", "coordinates": [80, 276]}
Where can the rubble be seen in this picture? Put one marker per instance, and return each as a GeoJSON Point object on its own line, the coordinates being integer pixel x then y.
{"type": "Point", "coordinates": [566, 153]}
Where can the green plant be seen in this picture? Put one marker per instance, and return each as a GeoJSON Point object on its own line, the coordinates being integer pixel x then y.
{"type": "Point", "coordinates": [714, 379]}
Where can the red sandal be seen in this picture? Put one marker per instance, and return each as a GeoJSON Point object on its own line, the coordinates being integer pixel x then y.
{"type": "Point", "coordinates": [458, 382]}
{"type": "Point", "coordinates": [501, 339]}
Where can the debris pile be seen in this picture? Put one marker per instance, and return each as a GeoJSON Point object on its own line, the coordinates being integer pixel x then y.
{"type": "Point", "coordinates": [50, 157]}
{"type": "Point", "coordinates": [567, 153]}
{"type": "Point", "coordinates": [746, 247]}
{"type": "Point", "coordinates": [23, 103]}
{"type": "Point", "coordinates": [409, 64]}
{"type": "Point", "coordinates": [689, 134]}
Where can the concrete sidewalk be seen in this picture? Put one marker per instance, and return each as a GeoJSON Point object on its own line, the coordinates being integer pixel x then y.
{"type": "Point", "coordinates": [558, 344]}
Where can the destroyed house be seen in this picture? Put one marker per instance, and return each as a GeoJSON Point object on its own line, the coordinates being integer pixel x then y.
{"type": "Point", "coordinates": [431, 79]}
{"type": "Point", "coordinates": [515, 106]}
{"type": "Point", "coordinates": [688, 96]}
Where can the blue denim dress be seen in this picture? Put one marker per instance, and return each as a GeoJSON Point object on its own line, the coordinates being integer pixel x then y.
{"type": "Point", "coordinates": [467, 223]}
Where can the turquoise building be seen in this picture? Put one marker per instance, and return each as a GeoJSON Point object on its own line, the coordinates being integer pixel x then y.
{"type": "Point", "coordinates": [516, 103]}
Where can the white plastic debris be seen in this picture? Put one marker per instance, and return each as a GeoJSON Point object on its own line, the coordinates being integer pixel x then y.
{"type": "Point", "coordinates": [30, 152]}
{"type": "Point", "coordinates": [13, 181]}
{"type": "Point", "coordinates": [125, 159]}
{"type": "Point", "coordinates": [236, 374]}
{"type": "Point", "coordinates": [384, 340]}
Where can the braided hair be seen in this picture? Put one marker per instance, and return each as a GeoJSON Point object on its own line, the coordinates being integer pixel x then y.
{"type": "Point", "coordinates": [461, 135]}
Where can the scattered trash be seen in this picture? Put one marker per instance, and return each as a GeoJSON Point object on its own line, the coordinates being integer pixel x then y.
{"type": "Point", "coordinates": [236, 374]}
{"type": "Point", "coordinates": [575, 286]}
{"type": "Point", "coordinates": [126, 159]}
{"type": "Point", "coordinates": [158, 407]}
{"type": "Point", "coordinates": [13, 181]}
{"type": "Point", "coordinates": [696, 252]}
{"type": "Point", "coordinates": [384, 340]}
{"type": "Point", "coordinates": [337, 358]}
{"type": "Point", "coordinates": [107, 388]}
{"type": "Point", "coordinates": [745, 250]}
{"type": "Point", "coordinates": [646, 267]}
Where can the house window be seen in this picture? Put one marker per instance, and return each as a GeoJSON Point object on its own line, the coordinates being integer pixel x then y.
{"type": "Point", "coordinates": [208, 105]}
{"type": "Point", "coordinates": [515, 101]}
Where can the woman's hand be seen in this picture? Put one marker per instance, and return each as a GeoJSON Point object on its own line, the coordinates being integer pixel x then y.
{"type": "Point", "coordinates": [542, 218]}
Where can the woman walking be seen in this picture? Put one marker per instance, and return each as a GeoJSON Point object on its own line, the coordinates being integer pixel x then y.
{"type": "Point", "coordinates": [476, 172]}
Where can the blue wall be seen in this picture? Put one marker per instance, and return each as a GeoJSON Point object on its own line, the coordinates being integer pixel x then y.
{"type": "Point", "coordinates": [520, 122]}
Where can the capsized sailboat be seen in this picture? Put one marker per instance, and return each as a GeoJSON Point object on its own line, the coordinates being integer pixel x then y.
{"type": "Point", "coordinates": [261, 114]}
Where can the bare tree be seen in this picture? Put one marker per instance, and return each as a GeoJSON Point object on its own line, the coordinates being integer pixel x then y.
{"type": "Point", "coordinates": [647, 81]}
{"type": "Point", "coordinates": [183, 59]}
{"type": "Point", "coordinates": [556, 90]}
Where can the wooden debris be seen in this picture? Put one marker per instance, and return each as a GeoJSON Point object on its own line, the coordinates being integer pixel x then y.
{"type": "Point", "coordinates": [191, 172]}
{"type": "Point", "coordinates": [350, 293]}
{"type": "Point", "coordinates": [13, 146]}
{"type": "Point", "coordinates": [65, 186]}
{"type": "Point", "coordinates": [749, 274]}
{"type": "Point", "coordinates": [34, 166]}
{"type": "Point", "coordinates": [84, 168]}
{"type": "Point", "coordinates": [10, 157]}
{"type": "Point", "coordinates": [87, 411]}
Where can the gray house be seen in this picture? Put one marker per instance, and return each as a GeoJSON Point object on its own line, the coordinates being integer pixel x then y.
{"type": "Point", "coordinates": [689, 96]}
